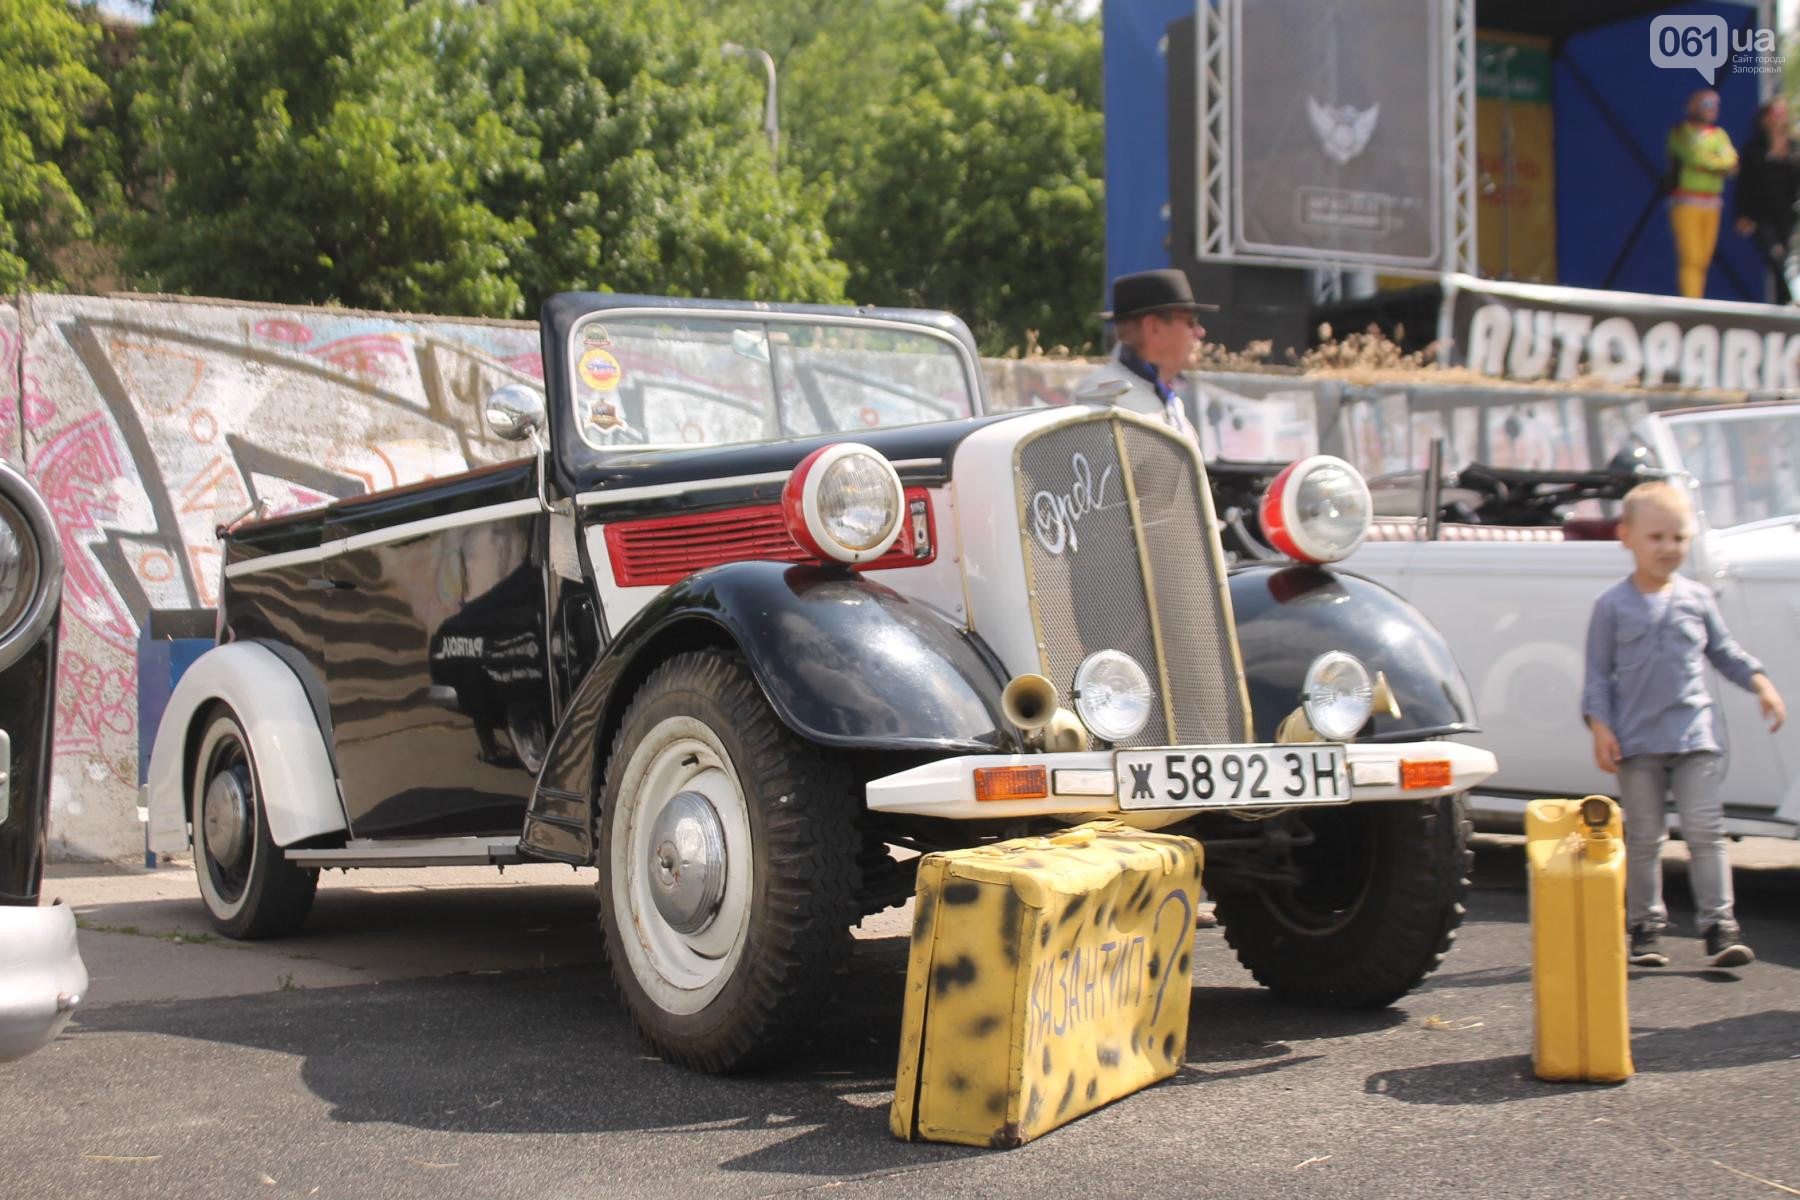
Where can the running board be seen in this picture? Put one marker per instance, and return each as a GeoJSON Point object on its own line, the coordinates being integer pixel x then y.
{"type": "Point", "coordinates": [427, 852]}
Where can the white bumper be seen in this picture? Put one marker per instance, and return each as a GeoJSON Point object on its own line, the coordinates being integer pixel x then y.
{"type": "Point", "coordinates": [42, 977]}
{"type": "Point", "coordinates": [946, 788]}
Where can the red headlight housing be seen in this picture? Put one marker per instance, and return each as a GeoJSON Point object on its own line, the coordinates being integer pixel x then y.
{"type": "Point", "coordinates": [844, 503]}
{"type": "Point", "coordinates": [1318, 510]}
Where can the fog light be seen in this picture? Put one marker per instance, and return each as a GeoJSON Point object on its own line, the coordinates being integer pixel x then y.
{"type": "Point", "coordinates": [1112, 694]}
{"type": "Point", "coordinates": [1337, 696]}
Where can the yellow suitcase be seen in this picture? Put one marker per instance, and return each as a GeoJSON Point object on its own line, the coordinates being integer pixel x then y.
{"type": "Point", "coordinates": [1575, 857]}
{"type": "Point", "coordinates": [1048, 977]}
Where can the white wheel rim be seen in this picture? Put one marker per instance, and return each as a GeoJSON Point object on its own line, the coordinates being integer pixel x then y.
{"type": "Point", "coordinates": [219, 732]}
{"type": "Point", "coordinates": [681, 972]}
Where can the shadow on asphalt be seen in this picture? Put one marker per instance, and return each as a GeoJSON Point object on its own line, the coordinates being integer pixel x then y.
{"type": "Point", "coordinates": [1769, 1036]}
{"type": "Point", "coordinates": [550, 1051]}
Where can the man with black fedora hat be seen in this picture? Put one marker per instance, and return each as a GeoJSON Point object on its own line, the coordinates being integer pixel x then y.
{"type": "Point", "coordinates": [1155, 316]}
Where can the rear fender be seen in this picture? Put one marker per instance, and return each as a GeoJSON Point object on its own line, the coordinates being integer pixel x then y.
{"type": "Point", "coordinates": [844, 661]}
{"type": "Point", "coordinates": [293, 765]}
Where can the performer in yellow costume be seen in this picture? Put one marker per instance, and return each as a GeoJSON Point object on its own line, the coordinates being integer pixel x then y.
{"type": "Point", "coordinates": [1700, 156]}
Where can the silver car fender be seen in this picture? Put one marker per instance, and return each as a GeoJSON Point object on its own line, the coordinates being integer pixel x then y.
{"type": "Point", "coordinates": [293, 767]}
{"type": "Point", "coordinates": [42, 977]}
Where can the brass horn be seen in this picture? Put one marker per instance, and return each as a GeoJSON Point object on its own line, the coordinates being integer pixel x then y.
{"type": "Point", "coordinates": [1029, 701]}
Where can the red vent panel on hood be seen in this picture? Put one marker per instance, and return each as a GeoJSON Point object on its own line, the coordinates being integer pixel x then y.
{"type": "Point", "coordinates": [658, 551]}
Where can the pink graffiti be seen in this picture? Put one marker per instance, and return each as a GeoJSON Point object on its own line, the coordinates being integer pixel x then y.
{"type": "Point", "coordinates": [76, 471]}
{"type": "Point", "coordinates": [94, 704]}
{"type": "Point", "coordinates": [376, 354]}
{"type": "Point", "coordinates": [277, 330]}
{"type": "Point", "coordinates": [39, 411]}
{"type": "Point", "coordinates": [531, 364]}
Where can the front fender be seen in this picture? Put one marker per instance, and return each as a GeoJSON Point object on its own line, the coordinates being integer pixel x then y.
{"type": "Point", "coordinates": [293, 765]}
{"type": "Point", "coordinates": [1287, 615]}
{"type": "Point", "coordinates": [843, 660]}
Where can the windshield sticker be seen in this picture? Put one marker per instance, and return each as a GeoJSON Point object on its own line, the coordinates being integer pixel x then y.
{"type": "Point", "coordinates": [603, 416]}
{"type": "Point", "coordinates": [599, 370]}
{"type": "Point", "coordinates": [595, 335]}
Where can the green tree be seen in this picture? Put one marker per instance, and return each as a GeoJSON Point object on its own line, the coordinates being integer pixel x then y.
{"type": "Point", "coordinates": [444, 157]}
{"type": "Point", "coordinates": [47, 84]}
{"type": "Point", "coordinates": [645, 169]}
{"type": "Point", "coordinates": [307, 154]}
{"type": "Point", "coordinates": [981, 188]}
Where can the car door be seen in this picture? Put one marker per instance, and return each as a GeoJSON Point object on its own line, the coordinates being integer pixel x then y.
{"type": "Point", "coordinates": [438, 681]}
{"type": "Point", "coordinates": [1757, 578]}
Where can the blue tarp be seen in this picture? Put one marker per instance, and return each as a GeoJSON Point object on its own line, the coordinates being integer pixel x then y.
{"type": "Point", "coordinates": [1136, 65]}
{"type": "Point", "coordinates": [1613, 112]}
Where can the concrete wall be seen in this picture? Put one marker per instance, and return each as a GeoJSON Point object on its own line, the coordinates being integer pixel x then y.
{"type": "Point", "coordinates": [148, 422]}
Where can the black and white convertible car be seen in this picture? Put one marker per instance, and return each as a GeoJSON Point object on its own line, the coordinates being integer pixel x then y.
{"type": "Point", "coordinates": [773, 594]}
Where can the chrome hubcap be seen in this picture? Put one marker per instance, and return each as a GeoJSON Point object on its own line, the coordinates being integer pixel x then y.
{"type": "Point", "coordinates": [226, 817]}
{"type": "Point", "coordinates": [687, 862]}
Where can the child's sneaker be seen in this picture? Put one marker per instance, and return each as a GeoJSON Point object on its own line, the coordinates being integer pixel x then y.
{"type": "Point", "coordinates": [1644, 951]}
{"type": "Point", "coordinates": [1725, 946]}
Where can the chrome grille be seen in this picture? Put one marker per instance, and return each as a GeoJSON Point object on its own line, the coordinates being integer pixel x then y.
{"type": "Point", "coordinates": [1206, 700]}
{"type": "Point", "coordinates": [1086, 561]}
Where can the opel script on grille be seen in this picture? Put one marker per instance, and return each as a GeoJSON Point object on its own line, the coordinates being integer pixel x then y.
{"type": "Point", "coordinates": [1054, 516]}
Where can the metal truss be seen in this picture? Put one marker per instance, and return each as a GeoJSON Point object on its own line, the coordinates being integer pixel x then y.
{"type": "Point", "coordinates": [1212, 72]}
{"type": "Point", "coordinates": [1458, 109]}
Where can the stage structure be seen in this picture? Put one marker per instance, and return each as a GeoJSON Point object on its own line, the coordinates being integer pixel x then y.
{"type": "Point", "coordinates": [1279, 150]}
{"type": "Point", "coordinates": [1336, 134]}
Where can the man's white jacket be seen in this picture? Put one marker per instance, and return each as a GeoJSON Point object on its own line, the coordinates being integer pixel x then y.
{"type": "Point", "coordinates": [1142, 397]}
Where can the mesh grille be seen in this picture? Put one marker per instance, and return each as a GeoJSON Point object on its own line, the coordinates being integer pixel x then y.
{"type": "Point", "coordinates": [1084, 558]}
{"type": "Point", "coordinates": [1202, 673]}
{"type": "Point", "coordinates": [1089, 583]}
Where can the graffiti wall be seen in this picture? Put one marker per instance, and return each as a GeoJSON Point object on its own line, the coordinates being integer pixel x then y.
{"type": "Point", "coordinates": [147, 423]}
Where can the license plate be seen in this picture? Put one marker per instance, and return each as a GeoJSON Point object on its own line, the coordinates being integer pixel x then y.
{"type": "Point", "coordinates": [1231, 776]}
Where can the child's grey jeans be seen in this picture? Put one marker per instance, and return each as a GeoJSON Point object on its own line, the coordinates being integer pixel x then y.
{"type": "Point", "coordinates": [1645, 781]}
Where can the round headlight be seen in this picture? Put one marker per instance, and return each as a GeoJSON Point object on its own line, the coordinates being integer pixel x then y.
{"type": "Point", "coordinates": [18, 567]}
{"type": "Point", "coordinates": [844, 503]}
{"type": "Point", "coordinates": [1317, 510]}
{"type": "Point", "coordinates": [1338, 696]}
{"type": "Point", "coordinates": [30, 567]}
{"type": "Point", "coordinates": [1112, 695]}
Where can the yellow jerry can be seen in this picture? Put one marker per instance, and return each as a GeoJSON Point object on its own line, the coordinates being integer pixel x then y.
{"type": "Point", "coordinates": [1575, 857]}
{"type": "Point", "coordinates": [1048, 977]}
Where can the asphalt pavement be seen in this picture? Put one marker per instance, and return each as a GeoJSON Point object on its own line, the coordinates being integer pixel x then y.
{"type": "Point", "coordinates": [451, 1033]}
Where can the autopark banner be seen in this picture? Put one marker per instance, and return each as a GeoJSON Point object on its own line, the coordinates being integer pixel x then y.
{"type": "Point", "coordinates": [1519, 331]}
{"type": "Point", "coordinates": [1336, 145]}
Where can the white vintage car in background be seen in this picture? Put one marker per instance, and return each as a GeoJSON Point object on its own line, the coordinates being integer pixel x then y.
{"type": "Point", "coordinates": [1510, 578]}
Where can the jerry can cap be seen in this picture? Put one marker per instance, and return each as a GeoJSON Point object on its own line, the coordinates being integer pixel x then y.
{"type": "Point", "coordinates": [1596, 811]}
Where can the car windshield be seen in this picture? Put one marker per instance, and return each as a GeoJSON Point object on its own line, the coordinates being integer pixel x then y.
{"type": "Point", "coordinates": [1746, 465]}
{"type": "Point", "coordinates": [667, 379]}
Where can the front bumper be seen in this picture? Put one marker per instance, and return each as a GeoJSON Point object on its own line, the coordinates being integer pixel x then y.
{"type": "Point", "coordinates": [42, 977]}
{"type": "Point", "coordinates": [946, 788]}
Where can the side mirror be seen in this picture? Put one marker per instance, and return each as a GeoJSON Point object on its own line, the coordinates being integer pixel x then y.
{"type": "Point", "coordinates": [515, 412]}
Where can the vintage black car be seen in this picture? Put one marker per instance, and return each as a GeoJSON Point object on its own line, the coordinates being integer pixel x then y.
{"type": "Point", "coordinates": [772, 595]}
{"type": "Point", "coordinates": [41, 973]}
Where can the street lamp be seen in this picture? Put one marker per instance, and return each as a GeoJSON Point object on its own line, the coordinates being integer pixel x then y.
{"type": "Point", "coordinates": [771, 124]}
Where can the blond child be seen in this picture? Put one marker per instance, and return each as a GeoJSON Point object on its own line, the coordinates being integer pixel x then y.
{"type": "Point", "coordinates": [1646, 702]}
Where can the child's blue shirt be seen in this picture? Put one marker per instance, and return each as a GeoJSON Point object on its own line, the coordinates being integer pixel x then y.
{"type": "Point", "coordinates": [1645, 666]}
